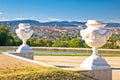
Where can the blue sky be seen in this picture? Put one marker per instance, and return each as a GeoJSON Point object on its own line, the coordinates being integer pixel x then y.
{"type": "Point", "coordinates": [60, 10]}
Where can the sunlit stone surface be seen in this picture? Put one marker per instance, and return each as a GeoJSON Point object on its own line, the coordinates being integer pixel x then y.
{"type": "Point", "coordinates": [95, 35]}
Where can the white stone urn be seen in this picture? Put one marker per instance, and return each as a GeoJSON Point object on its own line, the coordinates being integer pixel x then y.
{"type": "Point", "coordinates": [95, 36]}
{"type": "Point", "coordinates": [24, 32]}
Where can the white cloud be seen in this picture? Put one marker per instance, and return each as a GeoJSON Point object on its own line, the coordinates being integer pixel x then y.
{"type": "Point", "coordinates": [113, 21]}
{"type": "Point", "coordinates": [9, 19]}
{"type": "Point", "coordinates": [48, 19]}
{"type": "Point", "coordinates": [20, 18]}
{"type": "Point", "coordinates": [3, 19]}
{"type": "Point", "coordinates": [23, 18]}
{"type": "Point", "coordinates": [54, 19]}
{"type": "Point", "coordinates": [1, 13]}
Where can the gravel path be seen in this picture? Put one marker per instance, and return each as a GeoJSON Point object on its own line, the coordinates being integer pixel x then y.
{"type": "Point", "coordinates": [10, 62]}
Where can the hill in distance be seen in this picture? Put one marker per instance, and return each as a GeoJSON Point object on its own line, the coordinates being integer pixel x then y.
{"type": "Point", "coordinates": [52, 23]}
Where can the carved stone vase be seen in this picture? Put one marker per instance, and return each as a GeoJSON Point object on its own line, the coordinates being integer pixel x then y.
{"type": "Point", "coordinates": [24, 32]}
{"type": "Point", "coordinates": [95, 36]}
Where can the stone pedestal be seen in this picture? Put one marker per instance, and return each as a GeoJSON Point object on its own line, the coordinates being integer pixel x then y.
{"type": "Point", "coordinates": [25, 51]}
{"type": "Point", "coordinates": [95, 63]}
{"type": "Point", "coordinates": [99, 74]}
{"type": "Point", "coordinates": [27, 55]}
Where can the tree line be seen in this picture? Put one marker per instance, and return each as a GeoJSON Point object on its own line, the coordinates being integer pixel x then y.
{"type": "Point", "coordinates": [7, 39]}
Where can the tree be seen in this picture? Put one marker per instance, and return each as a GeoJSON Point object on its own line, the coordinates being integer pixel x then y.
{"type": "Point", "coordinates": [4, 35]}
{"type": "Point", "coordinates": [4, 28]}
{"type": "Point", "coordinates": [76, 43]}
{"type": "Point", "coordinates": [60, 44]}
{"type": "Point", "coordinates": [18, 42]}
{"type": "Point", "coordinates": [114, 37]}
{"type": "Point", "coordinates": [65, 38]}
{"type": "Point", "coordinates": [39, 42]}
{"type": "Point", "coordinates": [30, 42]}
{"type": "Point", "coordinates": [48, 43]}
{"type": "Point", "coordinates": [10, 41]}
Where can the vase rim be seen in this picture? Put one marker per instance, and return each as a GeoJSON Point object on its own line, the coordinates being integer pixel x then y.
{"type": "Point", "coordinates": [24, 25]}
{"type": "Point", "coordinates": [94, 22]}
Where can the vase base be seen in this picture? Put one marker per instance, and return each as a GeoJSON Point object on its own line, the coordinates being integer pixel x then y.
{"type": "Point", "coordinates": [24, 49]}
{"type": "Point", "coordinates": [95, 63]}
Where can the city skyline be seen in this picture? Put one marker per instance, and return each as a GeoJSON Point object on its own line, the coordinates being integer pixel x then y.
{"type": "Point", "coordinates": [60, 10]}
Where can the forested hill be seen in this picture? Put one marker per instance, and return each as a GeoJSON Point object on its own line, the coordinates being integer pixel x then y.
{"type": "Point", "coordinates": [52, 23]}
{"type": "Point", "coordinates": [16, 22]}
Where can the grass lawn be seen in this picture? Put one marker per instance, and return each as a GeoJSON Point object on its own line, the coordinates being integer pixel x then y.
{"type": "Point", "coordinates": [40, 73]}
{"type": "Point", "coordinates": [103, 55]}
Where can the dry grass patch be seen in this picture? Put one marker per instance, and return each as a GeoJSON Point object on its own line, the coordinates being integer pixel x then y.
{"type": "Point", "coordinates": [41, 73]}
